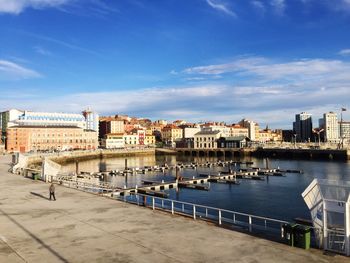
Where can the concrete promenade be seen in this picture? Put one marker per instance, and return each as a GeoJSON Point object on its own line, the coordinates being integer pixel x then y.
{"type": "Point", "coordinates": [81, 227]}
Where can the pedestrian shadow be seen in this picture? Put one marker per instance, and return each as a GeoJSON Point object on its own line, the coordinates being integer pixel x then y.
{"type": "Point", "coordinates": [40, 195]}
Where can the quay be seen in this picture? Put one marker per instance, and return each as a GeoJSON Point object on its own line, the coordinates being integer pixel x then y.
{"type": "Point", "coordinates": [82, 227]}
{"type": "Point", "coordinates": [277, 152]}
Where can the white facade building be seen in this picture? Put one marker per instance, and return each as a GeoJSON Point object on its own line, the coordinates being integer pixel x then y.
{"type": "Point", "coordinates": [189, 132]}
{"type": "Point", "coordinates": [91, 119]}
{"type": "Point", "coordinates": [331, 127]}
{"type": "Point", "coordinates": [29, 118]}
{"type": "Point", "coordinates": [251, 126]}
{"type": "Point", "coordinates": [206, 139]}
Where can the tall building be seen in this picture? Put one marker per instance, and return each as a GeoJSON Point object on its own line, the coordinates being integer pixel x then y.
{"type": "Point", "coordinates": [331, 127]}
{"type": "Point", "coordinates": [303, 127]}
{"type": "Point", "coordinates": [253, 129]}
{"type": "Point", "coordinates": [345, 132]}
{"type": "Point", "coordinates": [91, 120]}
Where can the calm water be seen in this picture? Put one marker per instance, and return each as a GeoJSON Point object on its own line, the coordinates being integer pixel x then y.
{"type": "Point", "coordinates": [277, 197]}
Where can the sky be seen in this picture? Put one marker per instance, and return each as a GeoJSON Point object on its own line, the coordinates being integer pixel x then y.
{"type": "Point", "coordinates": [197, 60]}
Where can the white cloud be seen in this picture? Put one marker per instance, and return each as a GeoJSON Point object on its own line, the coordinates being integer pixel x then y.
{"type": "Point", "coordinates": [219, 6]}
{"type": "Point", "coordinates": [279, 6]}
{"type": "Point", "coordinates": [11, 70]}
{"type": "Point", "coordinates": [42, 51]}
{"type": "Point", "coordinates": [344, 52]}
{"type": "Point", "coordinates": [17, 6]}
{"type": "Point", "coordinates": [259, 6]}
{"type": "Point", "coordinates": [271, 104]}
{"type": "Point", "coordinates": [303, 69]}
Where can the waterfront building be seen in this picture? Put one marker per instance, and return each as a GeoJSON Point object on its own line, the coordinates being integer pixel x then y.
{"type": "Point", "coordinates": [150, 140]}
{"type": "Point", "coordinates": [31, 118]}
{"type": "Point", "coordinates": [131, 139]}
{"type": "Point", "coordinates": [113, 141]}
{"type": "Point", "coordinates": [233, 142]}
{"type": "Point", "coordinates": [217, 126]}
{"type": "Point", "coordinates": [253, 129]}
{"type": "Point", "coordinates": [303, 127]}
{"type": "Point", "coordinates": [49, 138]}
{"type": "Point", "coordinates": [345, 132]}
{"type": "Point", "coordinates": [268, 135]}
{"type": "Point", "coordinates": [170, 133]}
{"type": "Point", "coordinates": [331, 127]}
{"type": "Point", "coordinates": [206, 139]}
{"type": "Point", "coordinates": [110, 125]}
{"type": "Point", "coordinates": [6, 119]}
{"type": "Point", "coordinates": [91, 119]}
{"type": "Point", "coordinates": [237, 130]}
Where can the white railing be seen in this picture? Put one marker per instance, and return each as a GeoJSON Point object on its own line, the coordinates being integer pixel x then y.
{"type": "Point", "coordinates": [220, 216]}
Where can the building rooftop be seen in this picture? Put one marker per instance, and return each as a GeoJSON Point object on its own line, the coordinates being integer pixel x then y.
{"type": "Point", "coordinates": [207, 132]}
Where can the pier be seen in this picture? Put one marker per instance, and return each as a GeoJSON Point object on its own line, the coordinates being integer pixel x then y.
{"type": "Point", "coordinates": [82, 227]}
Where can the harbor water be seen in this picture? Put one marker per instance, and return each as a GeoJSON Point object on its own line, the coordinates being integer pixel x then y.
{"type": "Point", "coordinates": [275, 197]}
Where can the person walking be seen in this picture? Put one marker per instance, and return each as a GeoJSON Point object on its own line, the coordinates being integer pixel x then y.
{"type": "Point", "coordinates": [52, 192]}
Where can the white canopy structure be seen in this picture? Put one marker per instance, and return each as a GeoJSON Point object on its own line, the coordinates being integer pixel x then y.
{"type": "Point", "coordinates": [329, 204]}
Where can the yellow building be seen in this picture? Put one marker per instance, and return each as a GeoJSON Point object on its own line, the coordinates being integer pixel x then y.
{"type": "Point", "coordinates": [170, 133]}
{"type": "Point", "coordinates": [150, 139]}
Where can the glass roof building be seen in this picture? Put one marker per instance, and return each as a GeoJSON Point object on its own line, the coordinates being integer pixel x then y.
{"type": "Point", "coordinates": [329, 204]}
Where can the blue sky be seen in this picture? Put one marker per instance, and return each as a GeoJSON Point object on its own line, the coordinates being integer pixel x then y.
{"type": "Point", "coordinates": [197, 60]}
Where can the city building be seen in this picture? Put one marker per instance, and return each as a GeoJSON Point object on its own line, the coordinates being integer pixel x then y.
{"type": "Point", "coordinates": [113, 141]}
{"type": "Point", "coordinates": [303, 127]}
{"type": "Point", "coordinates": [238, 131]}
{"type": "Point", "coordinates": [31, 118]}
{"type": "Point", "coordinates": [268, 135]}
{"type": "Point", "coordinates": [91, 119]}
{"type": "Point", "coordinates": [6, 119]}
{"type": "Point", "coordinates": [233, 142]}
{"type": "Point", "coordinates": [253, 129]}
{"type": "Point", "coordinates": [206, 139]}
{"type": "Point", "coordinates": [331, 127]}
{"type": "Point", "coordinates": [131, 139]}
{"type": "Point", "coordinates": [111, 125]}
{"type": "Point", "coordinates": [170, 133]}
{"type": "Point", "coordinates": [150, 140]}
{"type": "Point", "coordinates": [49, 138]}
{"type": "Point", "coordinates": [345, 133]}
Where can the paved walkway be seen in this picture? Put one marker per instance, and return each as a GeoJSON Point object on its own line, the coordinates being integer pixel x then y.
{"type": "Point", "coordinates": [81, 227]}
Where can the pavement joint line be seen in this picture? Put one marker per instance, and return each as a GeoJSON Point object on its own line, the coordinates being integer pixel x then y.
{"type": "Point", "coordinates": [10, 247]}
{"type": "Point", "coordinates": [112, 234]}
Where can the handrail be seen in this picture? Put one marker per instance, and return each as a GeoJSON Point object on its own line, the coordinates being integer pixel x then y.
{"type": "Point", "coordinates": [208, 207]}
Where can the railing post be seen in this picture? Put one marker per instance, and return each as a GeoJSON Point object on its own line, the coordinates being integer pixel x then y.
{"type": "Point", "coordinates": [234, 218]}
{"type": "Point", "coordinates": [219, 217]}
{"type": "Point", "coordinates": [183, 207]}
{"type": "Point", "coordinates": [152, 202]}
{"type": "Point", "coordinates": [206, 212]}
{"type": "Point", "coordinates": [172, 207]}
{"type": "Point", "coordinates": [250, 224]}
{"type": "Point", "coordinates": [194, 212]}
{"type": "Point", "coordinates": [162, 203]}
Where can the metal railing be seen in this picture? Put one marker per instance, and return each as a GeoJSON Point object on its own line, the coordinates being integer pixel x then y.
{"type": "Point", "coordinates": [249, 222]}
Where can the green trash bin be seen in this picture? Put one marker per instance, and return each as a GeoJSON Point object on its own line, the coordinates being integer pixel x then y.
{"type": "Point", "coordinates": [35, 176]}
{"type": "Point", "coordinates": [302, 236]}
{"type": "Point", "coordinates": [288, 233]}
